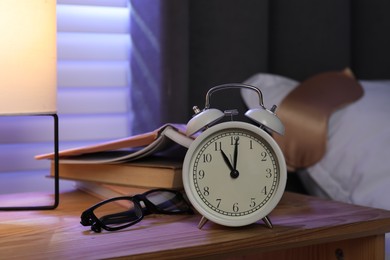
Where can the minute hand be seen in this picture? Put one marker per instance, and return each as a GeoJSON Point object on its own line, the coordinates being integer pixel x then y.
{"type": "Point", "coordinates": [235, 154]}
{"type": "Point", "coordinates": [233, 172]}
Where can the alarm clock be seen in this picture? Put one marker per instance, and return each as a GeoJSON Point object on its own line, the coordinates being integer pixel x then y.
{"type": "Point", "coordinates": [234, 173]}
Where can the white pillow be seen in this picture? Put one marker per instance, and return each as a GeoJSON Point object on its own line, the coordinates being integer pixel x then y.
{"type": "Point", "coordinates": [274, 88]}
{"type": "Point", "coordinates": [356, 166]}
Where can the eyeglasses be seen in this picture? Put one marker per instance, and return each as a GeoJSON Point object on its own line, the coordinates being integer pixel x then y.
{"type": "Point", "coordinates": [122, 212]}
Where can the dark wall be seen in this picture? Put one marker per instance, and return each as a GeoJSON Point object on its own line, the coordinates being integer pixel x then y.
{"type": "Point", "coordinates": [230, 40]}
{"type": "Point", "coordinates": [227, 44]}
{"type": "Point", "coordinates": [371, 38]}
{"type": "Point", "coordinates": [182, 48]}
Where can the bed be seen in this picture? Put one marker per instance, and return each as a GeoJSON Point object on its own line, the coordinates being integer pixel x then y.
{"type": "Point", "coordinates": [276, 45]}
{"type": "Point", "coordinates": [296, 40]}
{"type": "Point", "coordinates": [355, 167]}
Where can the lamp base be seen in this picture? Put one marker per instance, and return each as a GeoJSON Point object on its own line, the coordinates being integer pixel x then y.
{"type": "Point", "coordinates": [54, 202]}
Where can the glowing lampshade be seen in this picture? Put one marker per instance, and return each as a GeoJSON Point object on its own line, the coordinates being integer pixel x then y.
{"type": "Point", "coordinates": [28, 57]}
{"type": "Point", "coordinates": [28, 71]}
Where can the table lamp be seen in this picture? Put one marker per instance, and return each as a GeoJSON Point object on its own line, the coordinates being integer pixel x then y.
{"type": "Point", "coordinates": [28, 71]}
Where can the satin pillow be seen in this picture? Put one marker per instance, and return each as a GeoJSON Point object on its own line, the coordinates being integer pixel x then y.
{"type": "Point", "coordinates": [305, 109]}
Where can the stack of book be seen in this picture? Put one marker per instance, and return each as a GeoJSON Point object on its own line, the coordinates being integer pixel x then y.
{"type": "Point", "coordinates": [127, 166]}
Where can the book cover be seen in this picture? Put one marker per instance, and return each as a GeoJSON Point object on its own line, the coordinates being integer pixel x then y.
{"type": "Point", "coordinates": [151, 172]}
{"type": "Point", "coordinates": [107, 191]}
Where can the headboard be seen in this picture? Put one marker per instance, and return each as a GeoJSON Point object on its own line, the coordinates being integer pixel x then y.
{"type": "Point", "coordinates": [230, 40]}
{"type": "Point", "coordinates": [185, 47]}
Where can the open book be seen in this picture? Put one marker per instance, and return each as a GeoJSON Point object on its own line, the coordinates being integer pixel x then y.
{"type": "Point", "coordinates": [126, 149]}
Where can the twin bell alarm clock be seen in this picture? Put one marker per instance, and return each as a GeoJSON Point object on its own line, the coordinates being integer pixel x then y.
{"type": "Point", "coordinates": [234, 173]}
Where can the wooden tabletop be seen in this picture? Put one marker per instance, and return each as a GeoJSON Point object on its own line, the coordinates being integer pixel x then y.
{"type": "Point", "coordinates": [298, 221]}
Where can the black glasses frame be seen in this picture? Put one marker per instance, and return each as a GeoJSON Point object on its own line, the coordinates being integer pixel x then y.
{"type": "Point", "coordinates": [88, 218]}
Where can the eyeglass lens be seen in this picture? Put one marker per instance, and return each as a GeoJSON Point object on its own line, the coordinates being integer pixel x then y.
{"type": "Point", "coordinates": [167, 201]}
{"type": "Point", "coordinates": [118, 213]}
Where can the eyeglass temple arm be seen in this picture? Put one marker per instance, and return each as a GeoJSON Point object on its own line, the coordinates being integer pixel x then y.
{"type": "Point", "coordinates": [122, 217]}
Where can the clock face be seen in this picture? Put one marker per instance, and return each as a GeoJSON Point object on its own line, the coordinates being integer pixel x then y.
{"type": "Point", "coordinates": [234, 173]}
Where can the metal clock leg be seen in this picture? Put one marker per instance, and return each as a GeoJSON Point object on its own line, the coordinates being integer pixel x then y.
{"type": "Point", "coordinates": [267, 222]}
{"type": "Point", "coordinates": [202, 222]}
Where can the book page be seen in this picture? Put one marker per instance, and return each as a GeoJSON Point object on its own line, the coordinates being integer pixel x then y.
{"type": "Point", "coordinates": [127, 149]}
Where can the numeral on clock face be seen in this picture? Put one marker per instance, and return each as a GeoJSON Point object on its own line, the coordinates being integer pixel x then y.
{"type": "Point", "coordinates": [235, 172]}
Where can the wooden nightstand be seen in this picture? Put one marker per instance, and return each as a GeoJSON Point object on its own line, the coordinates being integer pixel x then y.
{"type": "Point", "coordinates": [304, 228]}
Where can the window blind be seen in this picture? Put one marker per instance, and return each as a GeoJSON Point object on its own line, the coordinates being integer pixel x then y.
{"type": "Point", "coordinates": [93, 75]}
{"type": "Point", "coordinates": [93, 70]}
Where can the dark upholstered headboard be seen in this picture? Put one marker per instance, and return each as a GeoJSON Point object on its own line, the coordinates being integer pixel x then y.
{"type": "Point", "coordinates": [230, 40]}
{"type": "Point", "coordinates": [184, 47]}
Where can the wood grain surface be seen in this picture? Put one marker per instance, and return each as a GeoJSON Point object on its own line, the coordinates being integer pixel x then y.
{"type": "Point", "coordinates": [304, 228]}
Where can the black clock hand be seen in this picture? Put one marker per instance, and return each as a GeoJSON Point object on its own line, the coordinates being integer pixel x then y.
{"type": "Point", "coordinates": [233, 172]}
{"type": "Point", "coordinates": [226, 159]}
{"type": "Point", "coordinates": [235, 154]}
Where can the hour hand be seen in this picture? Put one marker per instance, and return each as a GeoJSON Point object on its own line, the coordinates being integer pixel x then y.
{"type": "Point", "coordinates": [233, 172]}
{"type": "Point", "coordinates": [226, 159]}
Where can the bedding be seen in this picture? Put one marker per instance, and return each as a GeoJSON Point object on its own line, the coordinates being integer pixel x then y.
{"type": "Point", "coordinates": [356, 165]}
{"type": "Point", "coordinates": [305, 113]}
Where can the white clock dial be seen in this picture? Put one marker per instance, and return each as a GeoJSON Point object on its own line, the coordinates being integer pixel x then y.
{"type": "Point", "coordinates": [234, 173]}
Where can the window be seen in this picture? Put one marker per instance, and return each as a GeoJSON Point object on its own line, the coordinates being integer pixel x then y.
{"type": "Point", "coordinates": [93, 70]}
